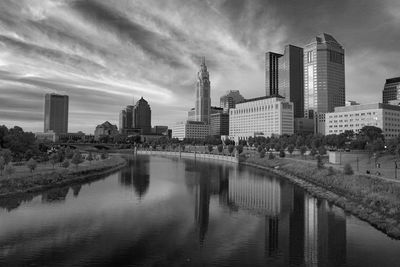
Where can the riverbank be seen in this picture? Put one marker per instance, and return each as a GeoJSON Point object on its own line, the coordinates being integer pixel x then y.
{"type": "Point", "coordinates": [39, 181]}
{"type": "Point", "coordinates": [371, 199]}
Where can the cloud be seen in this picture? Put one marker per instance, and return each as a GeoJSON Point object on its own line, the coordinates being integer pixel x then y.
{"type": "Point", "coordinates": [105, 53]}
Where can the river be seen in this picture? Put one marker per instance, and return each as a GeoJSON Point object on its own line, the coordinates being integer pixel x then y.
{"type": "Point", "coordinates": [162, 211]}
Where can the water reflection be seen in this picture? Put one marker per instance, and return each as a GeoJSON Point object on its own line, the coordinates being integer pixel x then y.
{"type": "Point", "coordinates": [196, 213]}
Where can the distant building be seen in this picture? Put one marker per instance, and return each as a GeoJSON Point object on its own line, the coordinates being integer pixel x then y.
{"type": "Point", "coordinates": [384, 116]}
{"type": "Point", "coordinates": [122, 120]}
{"type": "Point", "coordinates": [49, 136]}
{"type": "Point", "coordinates": [203, 99]}
{"type": "Point", "coordinates": [142, 116]}
{"type": "Point", "coordinates": [271, 73]}
{"type": "Point", "coordinates": [192, 114]}
{"type": "Point", "coordinates": [230, 99]}
{"type": "Point", "coordinates": [324, 76]}
{"type": "Point", "coordinates": [105, 129]}
{"type": "Point", "coordinates": [71, 137]}
{"type": "Point", "coordinates": [190, 129]}
{"type": "Point", "coordinates": [219, 124]}
{"type": "Point", "coordinates": [214, 110]}
{"type": "Point", "coordinates": [391, 91]}
{"type": "Point", "coordinates": [291, 78]}
{"type": "Point", "coordinates": [303, 126]}
{"type": "Point", "coordinates": [56, 113]}
{"type": "Point", "coordinates": [159, 129]}
{"type": "Point", "coordinates": [351, 103]}
{"type": "Point", "coordinates": [271, 115]}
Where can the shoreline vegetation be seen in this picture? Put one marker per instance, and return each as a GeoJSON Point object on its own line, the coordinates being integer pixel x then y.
{"type": "Point", "coordinates": [371, 199]}
{"type": "Point", "coordinates": [40, 181]}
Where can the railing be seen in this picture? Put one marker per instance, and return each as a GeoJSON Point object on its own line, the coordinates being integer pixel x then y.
{"type": "Point", "coordinates": [194, 155]}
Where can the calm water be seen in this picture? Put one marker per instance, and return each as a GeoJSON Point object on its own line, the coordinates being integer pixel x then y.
{"type": "Point", "coordinates": [171, 212]}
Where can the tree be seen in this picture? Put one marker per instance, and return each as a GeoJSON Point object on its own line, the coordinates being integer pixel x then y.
{"type": "Point", "coordinates": [313, 152]}
{"type": "Point", "coordinates": [262, 153]}
{"type": "Point", "coordinates": [320, 163]}
{"type": "Point", "coordinates": [31, 164]}
{"type": "Point", "coordinates": [9, 169]}
{"type": "Point", "coordinates": [322, 150]}
{"type": "Point", "coordinates": [90, 157]}
{"type": "Point", "coordinates": [282, 153]}
{"type": "Point", "coordinates": [60, 155]}
{"type": "Point", "coordinates": [259, 149]}
{"type": "Point", "coordinates": [230, 149]}
{"type": "Point", "coordinates": [103, 155]}
{"type": "Point", "coordinates": [220, 149]}
{"type": "Point", "coordinates": [2, 165]}
{"type": "Point", "coordinates": [69, 153]}
{"type": "Point", "coordinates": [347, 169]}
{"type": "Point", "coordinates": [290, 149]}
{"type": "Point", "coordinates": [271, 155]}
{"type": "Point", "coordinates": [53, 159]}
{"type": "Point", "coordinates": [372, 132]}
{"type": "Point", "coordinates": [77, 159]}
{"type": "Point", "coordinates": [6, 154]}
{"type": "Point", "coordinates": [65, 164]}
{"type": "Point", "coordinates": [210, 148]}
{"type": "Point", "coordinates": [239, 149]}
{"type": "Point", "coordinates": [303, 150]}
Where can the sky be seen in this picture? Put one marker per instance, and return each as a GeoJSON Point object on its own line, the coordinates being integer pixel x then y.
{"type": "Point", "coordinates": [107, 54]}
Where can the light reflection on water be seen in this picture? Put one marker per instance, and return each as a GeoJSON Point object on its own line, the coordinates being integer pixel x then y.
{"type": "Point", "coordinates": [171, 212]}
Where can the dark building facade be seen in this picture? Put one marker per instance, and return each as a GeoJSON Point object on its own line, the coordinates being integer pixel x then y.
{"type": "Point", "coordinates": [141, 116]}
{"type": "Point", "coordinates": [391, 91]}
{"type": "Point", "coordinates": [230, 99]}
{"type": "Point", "coordinates": [291, 78]}
{"type": "Point", "coordinates": [219, 124]}
{"type": "Point", "coordinates": [203, 99]}
{"type": "Point", "coordinates": [271, 73]}
{"type": "Point", "coordinates": [56, 113]}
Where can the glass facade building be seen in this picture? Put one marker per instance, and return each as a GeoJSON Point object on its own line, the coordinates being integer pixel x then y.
{"type": "Point", "coordinates": [391, 91]}
{"type": "Point", "coordinates": [56, 113]}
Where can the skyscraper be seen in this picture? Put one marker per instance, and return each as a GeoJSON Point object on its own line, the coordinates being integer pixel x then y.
{"type": "Point", "coordinates": [391, 91]}
{"type": "Point", "coordinates": [230, 99]}
{"type": "Point", "coordinates": [56, 113]}
{"type": "Point", "coordinates": [324, 77]}
{"type": "Point", "coordinates": [142, 116]}
{"type": "Point", "coordinates": [271, 73]}
{"type": "Point", "coordinates": [203, 100]}
{"type": "Point", "coordinates": [291, 78]}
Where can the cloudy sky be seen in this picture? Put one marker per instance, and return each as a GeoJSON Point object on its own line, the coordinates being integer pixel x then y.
{"type": "Point", "coordinates": [104, 54]}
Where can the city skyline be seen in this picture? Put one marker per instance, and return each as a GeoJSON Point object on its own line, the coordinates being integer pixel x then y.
{"type": "Point", "coordinates": [102, 53]}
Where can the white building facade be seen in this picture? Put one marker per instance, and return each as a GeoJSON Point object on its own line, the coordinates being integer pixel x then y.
{"type": "Point", "coordinates": [384, 116]}
{"type": "Point", "coordinates": [267, 116]}
{"type": "Point", "coordinates": [190, 129]}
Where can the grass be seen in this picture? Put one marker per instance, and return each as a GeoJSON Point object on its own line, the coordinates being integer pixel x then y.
{"type": "Point", "coordinates": [372, 199]}
{"type": "Point", "coordinates": [45, 177]}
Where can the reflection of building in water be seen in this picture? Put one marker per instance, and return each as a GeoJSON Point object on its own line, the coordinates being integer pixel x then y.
{"type": "Point", "coordinates": [202, 204]}
{"type": "Point", "coordinates": [325, 234]}
{"type": "Point", "coordinates": [58, 194]}
{"type": "Point", "coordinates": [76, 189]}
{"type": "Point", "coordinates": [136, 175]}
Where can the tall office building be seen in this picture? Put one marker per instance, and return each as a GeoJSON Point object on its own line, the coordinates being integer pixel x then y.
{"type": "Point", "coordinates": [203, 99]}
{"type": "Point", "coordinates": [56, 113]}
{"type": "Point", "coordinates": [142, 116]}
{"type": "Point", "coordinates": [324, 81]}
{"type": "Point", "coordinates": [271, 73]}
{"type": "Point", "coordinates": [391, 91]}
{"type": "Point", "coordinates": [230, 99]}
{"type": "Point", "coordinates": [291, 78]}
{"type": "Point", "coordinates": [122, 120]}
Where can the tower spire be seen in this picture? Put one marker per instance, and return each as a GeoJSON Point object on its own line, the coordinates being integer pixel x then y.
{"type": "Point", "coordinates": [203, 61]}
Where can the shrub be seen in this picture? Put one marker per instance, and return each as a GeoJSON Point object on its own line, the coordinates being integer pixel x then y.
{"type": "Point", "coordinates": [303, 150]}
{"type": "Point", "coordinates": [239, 149]}
{"type": "Point", "coordinates": [220, 148]}
{"type": "Point", "coordinates": [77, 159]}
{"type": "Point", "coordinates": [347, 169]}
{"type": "Point", "coordinates": [271, 155]}
{"type": "Point", "coordinates": [210, 148]}
{"type": "Point", "coordinates": [290, 149]}
{"type": "Point", "coordinates": [262, 153]}
{"type": "Point", "coordinates": [282, 153]}
{"type": "Point", "coordinates": [320, 163]}
{"type": "Point", "coordinates": [259, 149]}
{"type": "Point", "coordinates": [230, 149]}
{"type": "Point", "coordinates": [69, 153]}
{"type": "Point", "coordinates": [65, 164]}
{"type": "Point", "coordinates": [89, 157]}
{"type": "Point", "coordinates": [313, 151]}
{"type": "Point", "coordinates": [322, 150]}
{"type": "Point", "coordinates": [31, 164]}
{"type": "Point", "coordinates": [53, 159]}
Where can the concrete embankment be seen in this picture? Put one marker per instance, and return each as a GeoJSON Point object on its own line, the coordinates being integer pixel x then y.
{"type": "Point", "coordinates": [37, 182]}
{"type": "Point", "coordinates": [372, 200]}
{"type": "Point", "coordinates": [189, 155]}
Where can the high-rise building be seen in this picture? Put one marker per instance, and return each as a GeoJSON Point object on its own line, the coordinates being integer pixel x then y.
{"type": "Point", "coordinates": [142, 116]}
{"type": "Point", "coordinates": [271, 73]}
{"type": "Point", "coordinates": [291, 78]}
{"type": "Point", "coordinates": [56, 113]}
{"type": "Point", "coordinates": [191, 130]}
{"type": "Point", "coordinates": [219, 124]}
{"type": "Point", "coordinates": [230, 99]}
{"type": "Point", "coordinates": [324, 76]}
{"type": "Point", "coordinates": [203, 100]}
{"type": "Point", "coordinates": [391, 91]}
{"type": "Point", "coordinates": [122, 120]}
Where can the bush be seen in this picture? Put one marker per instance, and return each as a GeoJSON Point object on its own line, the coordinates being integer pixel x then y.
{"type": "Point", "coordinates": [282, 153]}
{"type": "Point", "coordinates": [230, 149]}
{"type": "Point", "coordinates": [239, 149]}
{"type": "Point", "coordinates": [290, 149]}
{"type": "Point", "coordinates": [77, 159]}
{"type": "Point", "coordinates": [53, 159]}
{"type": "Point", "coordinates": [271, 155]}
{"type": "Point", "coordinates": [303, 150]}
{"type": "Point", "coordinates": [320, 163]}
{"type": "Point", "coordinates": [31, 164]}
{"type": "Point", "coordinates": [220, 148]}
{"type": "Point", "coordinates": [262, 153]}
{"type": "Point", "coordinates": [347, 169]}
{"type": "Point", "coordinates": [65, 164]}
{"type": "Point", "coordinates": [89, 157]}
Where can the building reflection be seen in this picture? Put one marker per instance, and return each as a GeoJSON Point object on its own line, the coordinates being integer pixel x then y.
{"type": "Point", "coordinates": [76, 189]}
{"type": "Point", "coordinates": [136, 176]}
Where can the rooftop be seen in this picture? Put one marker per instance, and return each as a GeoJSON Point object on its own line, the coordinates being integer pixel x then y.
{"type": "Point", "coordinates": [260, 98]}
{"type": "Point", "coordinates": [393, 80]}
